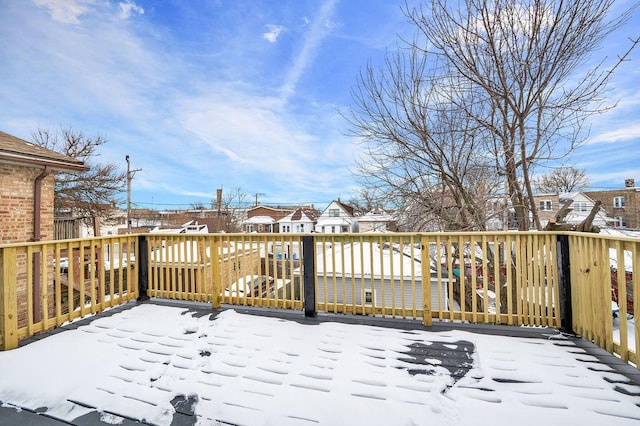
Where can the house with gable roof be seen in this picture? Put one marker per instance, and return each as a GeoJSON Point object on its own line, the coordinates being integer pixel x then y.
{"type": "Point", "coordinates": [300, 221]}
{"type": "Point", "coordinates": [27, 188]}
{"type": "Point", "coordinates": [264, 219]}
{"type": "Point", "coordinates": [581, 207]}
{"type": "Point", "coordinates": [337, 218]}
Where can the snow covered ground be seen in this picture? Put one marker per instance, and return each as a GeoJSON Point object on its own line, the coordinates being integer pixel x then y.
{"type": "Point", "coordinates": [255, 370]}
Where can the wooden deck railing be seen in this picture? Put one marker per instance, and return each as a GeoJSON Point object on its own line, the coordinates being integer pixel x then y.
{"type": "Point", "coordinates": [46, 284]}
{"type": "Point", "coordinates": [523, 278]}
{"type": "Point", "coordinates": [596, 262]}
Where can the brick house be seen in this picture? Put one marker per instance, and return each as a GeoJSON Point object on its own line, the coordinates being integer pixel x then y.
{"type": "Point", "coordinates": [621, 204]}
{"type": "Point", "coordinates": [27, 188]}
{"type": "Point", "coordinates": [264, 219]}
{"type": "Point", "coordinates": [26, 207]}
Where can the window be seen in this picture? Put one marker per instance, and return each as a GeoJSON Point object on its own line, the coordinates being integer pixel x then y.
{"type": "Point", "coordinates": [618, 202]}
{"type": "Point", "coordinates": [323, 229]}
{"type": "Point", "coordinates": [369, 297]}
{"type": "Point", "coordinates": [249, 228]}
{"type": "Point", "coordinates": [260, 228]}
{"type": "Point", "coordinates": [334, 212]}
{"type": "Point", "coordinates": [545, 206]}
{"type": "Point", "coordinates": [333, 229]}
{"type": "Point", "coordinates": [299, 228]}
{"type": "Point", "coordinates": [581, 206]}
{"type": "Point", "coordinates": [345, 228]}
{"type": "Point", "coordinates": [620, 222]}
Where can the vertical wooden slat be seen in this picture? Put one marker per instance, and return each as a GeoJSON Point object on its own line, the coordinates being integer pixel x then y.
{"type": "Point", "coordinates": [30, 284]}
{"type": "Point", "coordinates": [92, 276]}
{"type": "Point", "coordinates": [57, 284]}
{"type": "Point", "coordinates": [427, 314]}
{"type": "Point", "coordinates": [635, 255]}
{"type": "Point", "coordinates": [485, 280]}
{"type": "Point", "coordinates": [461, 273]}
{"type": "Point", "coordinates": [382, 303]}
{"type": "Point", "coordinates": [81, 284]}
{"type": "Point", "coordinates": [217, 285]}
{"type": "Point", "coordinates": [497, 282]}
{"type": "Point", "coordinates": [508, 260]}
{"type": "Point", "coordinates": [345, 242]}
{"type": "Point", "coordinates": [622, 300]}
{"type": "Point", "coordinates": [45, 286]}
{"type": "Point", "coordinates": [474, 280]}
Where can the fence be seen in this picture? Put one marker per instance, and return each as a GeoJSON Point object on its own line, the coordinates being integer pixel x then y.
{"type": "Point", "coordinates": [524, 278]}
{"type": "Point", "coordinates": [44, 285]}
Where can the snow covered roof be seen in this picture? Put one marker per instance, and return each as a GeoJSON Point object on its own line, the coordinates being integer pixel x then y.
{"type": "Point", "coordinates": [376, 262]}
{"type": "Point", "coordinates": [257, 220]}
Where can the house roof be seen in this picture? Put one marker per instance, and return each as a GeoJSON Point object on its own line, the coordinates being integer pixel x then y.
{"type": "Point", "coordinates": [302, 214]}
{"type": "Point", "coordinates": [16, 150]}
{"type": "Point", "coordinates": [349, 209]}
{"type": "Point", "coordinates": [260, 220]}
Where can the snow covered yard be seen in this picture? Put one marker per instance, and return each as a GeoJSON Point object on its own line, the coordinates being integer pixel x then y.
{"type": "Point", "coordinates": [256, 370]}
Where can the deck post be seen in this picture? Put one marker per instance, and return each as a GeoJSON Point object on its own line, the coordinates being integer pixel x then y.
{"type": "Point", "coordinates": [8, 300]}
{"type": "Point", "coordinates": [143, 268]}
{"type": "Point", "coordinates": [309, 275]}
{"type": "Point", "coordinates": [564, 284]}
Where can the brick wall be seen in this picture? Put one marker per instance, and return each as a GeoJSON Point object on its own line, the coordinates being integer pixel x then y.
{"type": "Point", "coordinates": [16, 204]}
{"type": "Point", "coordinates": [631, 210]}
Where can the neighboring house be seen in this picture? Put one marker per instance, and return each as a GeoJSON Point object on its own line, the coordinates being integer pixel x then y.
{"type": "Point", "coordinates": [377, 220]}
{"type": "Point", "coordinates": [547, 205]}
{"type": "Point", "coordinates": [27, 189]}
{"type": "Point", "coordinates": [337, 218]}
{"type": "Point", "coordinates": [300, 221]}
{"type": "Point", "coordinates": [621, 204]}
{"type": "Point", "coordinates": [581, 207]}
{"type": "Point", "coordinates": [264, 219]}
{"type": "Point", "coordinates": [344, 276]}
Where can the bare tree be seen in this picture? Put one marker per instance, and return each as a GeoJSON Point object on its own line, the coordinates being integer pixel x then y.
{"type": "Point", "coordinates": [562, 179]}
{"type": "Point", "coordinates": [366, 200]}
{"type": "Point", "coordinates": [231, 208]}
{"type": "Point", "coordinates": [420, 151]}
{"type": "Point", "coordinates": [87, 194]}
{"type": "Point", "coordinates": [517, 68]}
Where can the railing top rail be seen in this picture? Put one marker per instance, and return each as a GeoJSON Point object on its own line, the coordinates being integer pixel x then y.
{"type": "Point", "coordinates": [602, 236]}
{"type": "Point", "coordinates": [74, 240]}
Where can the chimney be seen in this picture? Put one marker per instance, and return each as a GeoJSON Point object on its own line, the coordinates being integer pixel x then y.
{"type": "Point", "coordinates": [629, 183]}
{"type": "Point", "coordinates": [219, 198]}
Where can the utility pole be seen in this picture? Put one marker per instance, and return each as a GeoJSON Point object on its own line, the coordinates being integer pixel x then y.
{"type": "Point", "coordinates": [257, 194]}
{"type": "Point", "coordinates": [130, 175]}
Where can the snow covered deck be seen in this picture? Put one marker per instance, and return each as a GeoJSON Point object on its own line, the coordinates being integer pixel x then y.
{"type": "Point", "coordinates": [184, 364]}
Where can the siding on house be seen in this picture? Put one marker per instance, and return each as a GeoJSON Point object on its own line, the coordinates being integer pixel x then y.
{"type": "Point", "coordinates": [337, 218]}
{"type": "Point", "coordinates": [345, 273]}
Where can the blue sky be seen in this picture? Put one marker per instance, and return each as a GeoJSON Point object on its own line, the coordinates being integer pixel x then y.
{"type": "Point", "coordinates": [204, 93]}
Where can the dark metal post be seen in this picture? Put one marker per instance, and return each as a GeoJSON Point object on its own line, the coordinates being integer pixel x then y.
{"type": "Point", "coordinates": [143, 268]}
{"type": "Point", "coordinates": [309, 275]}
{"type": "Point", "coordinates": [564, 281]}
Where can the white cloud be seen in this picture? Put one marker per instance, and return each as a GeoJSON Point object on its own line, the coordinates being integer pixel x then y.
{"type": "Point", "coordinates": [317, 32]}
{"type": "Point", "coordinates": [273, 33]}
{"type": "Point", "coordinates": [129, 7]}
{"type": "Point", "coordinates": [629, 132]}
{"type": "Point", "coordinates": [65, 11]}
